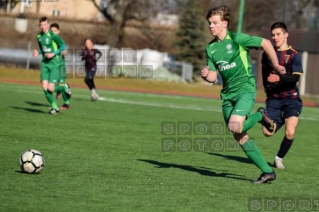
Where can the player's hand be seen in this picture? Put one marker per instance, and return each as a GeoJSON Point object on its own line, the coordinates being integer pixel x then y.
{"type": "Point", "coordinates": [280, 69]}
{"type": "Point", "coordinates": [273, 78]}
{"type": "Point", "coordinates": [49, 55]}
{"type": "Point", "coordinates": [35, 52]}
{"type": "Point", "coordinates": [205, 72]}
{"type": "Point", "coordinates": [64, 52]}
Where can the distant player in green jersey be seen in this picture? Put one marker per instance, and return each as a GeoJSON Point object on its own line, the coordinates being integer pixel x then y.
{"type": "Point", "coordinates": [51, 46]}
{"type": "Point", "coordinates": [55, 28]}
{"type": "Point", "coordinates": [229, 54]}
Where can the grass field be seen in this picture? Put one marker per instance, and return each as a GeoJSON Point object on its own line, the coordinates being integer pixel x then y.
{"type": "Point", "coordinates": [108, 156]}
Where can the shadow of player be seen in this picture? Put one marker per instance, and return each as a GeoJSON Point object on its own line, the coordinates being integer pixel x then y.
{"type": "Point", "coordinates": [201, 170]}
{"type": "Point", "coordinates": [37, 104]}
{"type": "Point", "coordinates": [28, 109]}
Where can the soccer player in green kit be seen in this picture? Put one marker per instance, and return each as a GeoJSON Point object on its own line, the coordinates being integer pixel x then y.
{"type": "Point", "coordinates": [51, 46]}
{"type": "Point", "coordinates": [228, 54]}
{"type": "Point", "coordinates": [55, 28]}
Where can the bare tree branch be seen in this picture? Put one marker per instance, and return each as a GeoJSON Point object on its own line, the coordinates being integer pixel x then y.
{"type": "Point", "coordinates": [104, 12]}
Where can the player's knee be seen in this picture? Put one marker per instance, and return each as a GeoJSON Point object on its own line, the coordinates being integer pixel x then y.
{"type": "Point", "coordinates": [51, 88]}
{"type": "Point", "coordinates": [290, 133]}
{"type": "Point", "coordinates": [241, 138]}
{"type": "Point", "coordinates": [234, 128]}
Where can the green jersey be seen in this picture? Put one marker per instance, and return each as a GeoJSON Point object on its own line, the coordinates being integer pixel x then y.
{"type": "Point", "coordinates": [231, 59]}
{"type": "Point", "coordinates": [50, 43]}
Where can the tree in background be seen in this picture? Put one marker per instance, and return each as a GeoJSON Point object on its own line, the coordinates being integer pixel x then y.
{"type": "Point", "coordinates": [118, 12]}
{"type": "Point", "coordinates": [191, 39]}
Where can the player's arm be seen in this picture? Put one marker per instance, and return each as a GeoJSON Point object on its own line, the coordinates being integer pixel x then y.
{"type": "Point", "coordinates": [269, 49]}
{"type": "Point", "coordinates": [250, 42]}
{"type": "Point", "coordinates": [209, 76]}
{"type": "Point", "coordinates": [209, 73]}
{"type": "Point", "coordinates": [58, 40]}
{"type": "Point", "coordinates": [296, 72]}
{"type": "Point", "coordinates": [264, 69]}
{"type": "Point", "coordinates": [37, 52]}
{"type": "Point", "coordinates": [97, 54]}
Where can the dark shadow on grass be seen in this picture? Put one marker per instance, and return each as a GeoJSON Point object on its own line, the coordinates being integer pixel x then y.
{"type": "Point", "coordinates": [28, 109]}
{"type": "Point", "coordinates": [232, 157]}
{"type": "Point", "coordinates": [37, 104]}
{"type": "Point", "coordinates": [21, 172]}
{"type": "Point", "coordinates": [199, 170]}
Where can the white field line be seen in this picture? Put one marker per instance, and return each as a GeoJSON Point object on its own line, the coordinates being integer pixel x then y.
{"type": "Point", "coordinates": [150, 104]}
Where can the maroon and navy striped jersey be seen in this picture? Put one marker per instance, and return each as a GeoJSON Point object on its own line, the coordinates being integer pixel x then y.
{"type": "Point", "coordinates": [291, 60]}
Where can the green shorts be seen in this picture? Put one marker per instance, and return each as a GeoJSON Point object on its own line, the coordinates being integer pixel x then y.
{"type": "Point", "coordinates": [240, 105]}
{"type": "Point", "coordinates": [49, 72]}
{"type": "Point", "coordinates": [62, 74]}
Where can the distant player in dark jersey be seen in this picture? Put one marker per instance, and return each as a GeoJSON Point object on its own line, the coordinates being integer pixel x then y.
{"type": "Point", "coordinates": [228, 54]}
{"type": "Point", "coordinates": [51, 46]}
{"type": "Point", "coordinates": [283, 102]}
{"type": "Point", "coordinates": [55, 28]}
{"type": "Point", "coordinates": [90, 56]}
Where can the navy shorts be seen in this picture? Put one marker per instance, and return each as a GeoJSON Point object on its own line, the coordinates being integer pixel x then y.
{"type": "Point", "coordinates": [90, 74]}
{"type": "Point", "coordinates": [280, 109]}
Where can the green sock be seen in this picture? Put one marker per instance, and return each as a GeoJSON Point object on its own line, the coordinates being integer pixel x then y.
{"type": "Point", "coordinates": [251, 121]}
{"type": "Point", "coordinates": [50, 98]}
{"type": "Point", "coordinates": [254, 154]}
{"type": "Point", "coordinates": [65, 99]}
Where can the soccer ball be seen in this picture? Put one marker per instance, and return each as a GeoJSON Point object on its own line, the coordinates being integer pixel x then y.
{"type": "Point", "coordinates": [31, 161]}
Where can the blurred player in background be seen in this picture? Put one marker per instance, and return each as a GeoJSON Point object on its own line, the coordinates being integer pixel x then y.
{"type": "Point", "coordinates": [283, 103]}
{"type": "Point", "coordinates": [228, 54]}
{"type": "Point", "coordinates": [90, 56]}
{"type": "Point", "coordinates": [55, 28]}
{"type": "Point", "coordinates": [51, 46]}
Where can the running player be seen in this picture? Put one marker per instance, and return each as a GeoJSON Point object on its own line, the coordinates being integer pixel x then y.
{"type": "Point", "coordinates": [51, 46]}
{"type": "Point", "coordinates": [283, 102]}
{"type": "Point", "coordinates": [90, 56]}
{"type": "Point", "coordinates": [55, 28]}
{"type": "Point", "coordinates": [228, 53]}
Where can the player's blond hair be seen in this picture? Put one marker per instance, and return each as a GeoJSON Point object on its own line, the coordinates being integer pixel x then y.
{"type": "Point", "coordinates": [223, 11]}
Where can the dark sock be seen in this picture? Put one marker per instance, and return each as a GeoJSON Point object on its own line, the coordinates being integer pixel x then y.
{"type": "Point", "coordinates": [284, 147]}
{"type": "Point", "coordinates": [92, 83]}
{"type": "Point", "coordinates": [251, 121]}
{"type": "Point", "coordinates": [255, 155]}
{"type": "Point", "coordinates": [88, 83]}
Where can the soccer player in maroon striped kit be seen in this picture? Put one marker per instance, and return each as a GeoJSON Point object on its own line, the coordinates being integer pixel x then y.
{"type": "Point", "coordinates": [283, 103]}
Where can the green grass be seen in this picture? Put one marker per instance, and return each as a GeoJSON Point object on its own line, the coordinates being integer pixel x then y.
{"type": "Point", "coordinates": [107, 156]}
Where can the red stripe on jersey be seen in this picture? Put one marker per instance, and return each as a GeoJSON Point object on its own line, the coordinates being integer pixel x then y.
{"type": "Point", "coordinates": [282, 58]}
{"type": "Point", "coordinates": [282, 61]}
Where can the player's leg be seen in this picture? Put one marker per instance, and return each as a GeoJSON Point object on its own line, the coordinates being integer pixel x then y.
{"type": "Point", "coordinates": [234, 123]}
{"type": "Point", "coordinates": [94, 94]}
{"type": "Point", "coordinates": [274, 109]}
{"type": "Point", "coordinates": [45, 80]}
{"type": "Point", "coordinates": [241, 120]}
{"type": "Point", "coordinates": [254, 154]}
{"type": "Point", "coordinates": [292, 110]}
{"type": "Point", "coordinates": [66, 91]}
{"type": "Point", "coordinates": [53, 78]}
{"type": "Point", "coordinates": [61, 80]}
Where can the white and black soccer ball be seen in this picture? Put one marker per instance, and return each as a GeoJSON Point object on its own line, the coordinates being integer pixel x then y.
{"type": "Point", "coordinates": [31, 161]}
